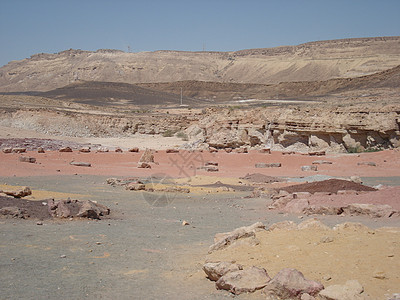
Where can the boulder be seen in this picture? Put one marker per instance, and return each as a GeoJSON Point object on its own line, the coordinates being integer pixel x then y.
{"type": "Point", "coordinates": [19, 150]}
{"type": "Point", "coordinates": [268, 165]}
{"type": "Point", "coordinates": [309, 168]}
{"type": "Point", "coordinates": [243, 281]}
{"type": "Point", "coordinates": [60, 208]}
{"type": "Point", "coordinates": [92, 210]}
{"type": "Point", "coordinates": [372, 210]}
{"type": "Point", "coordinates": [7, 150]}
{"type": "Point", "coordinates": [144, 165]}
{"type": "Point", "coordinates": [118, 150]}
{"type": "Point", "coordinates": [228, 150]}
{"type": "Point", "coordinates": [14, 212]}
{"type": "Point", "coordinates": [291, 284]}
{"type": "Point", "coordinates": [322, 210]}
{"type": "Point", "coordinates": [223, 240]}
{"type": "Point", "coordinates": [19, 193]}
{"type": "Point", "coordinates": [135, 186]}
{"type": "Point", "coordinates": [65, 149]}
{"type": "Point", "coordinates": [172, 151]}
{"type": "Point", "coordinates": [40, 150]}
{"type": "Point", "coordinates": [80, 164]}
{"type": "Point", "coordinates": [215, 270]}
{"type": "Point", "coordinates": [134, 149]}
{"type": "Point", "coordinates": [241, 150]}
{"type": "Point", "coordinates": [27, 159]}
{"type": "Point", "coordinates": [316, 153]}
{"type": "Point", "coordinates": [84, 149]}
{"type": "Point", "coordinates": [352, 290]}
{"type": "Point", "coordinates": [103, 150]}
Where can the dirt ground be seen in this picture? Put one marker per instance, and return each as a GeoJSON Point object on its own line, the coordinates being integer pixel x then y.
{"type": "Point", "coordinates": [143, 251]}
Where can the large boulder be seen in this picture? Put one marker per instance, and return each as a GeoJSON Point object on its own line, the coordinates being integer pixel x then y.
{"type": "Point", "coordinates": [223, 240]}
{"type": "Point", "coordinates": [92, 210]}
{"type": "Point", "coordinates": [291, 284]}
{"type": "Point", "coordinates": [244, 281]}
{"type": "Point", "coordinates": [215, 270]}
{"type": "Point", "coordinates": [352, 290]}
{"type": "Point", "coordinates": [14, 212]}
{"type": "Point", "coordinates": [19, 193]}
{"type": "Point", "coordinates": [372, 210]}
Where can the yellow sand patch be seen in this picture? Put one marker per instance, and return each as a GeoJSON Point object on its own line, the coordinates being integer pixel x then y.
{"type": "Point", "coordinates": [40, 194]}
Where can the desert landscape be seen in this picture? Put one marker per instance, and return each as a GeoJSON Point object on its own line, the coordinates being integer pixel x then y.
{"type": "Point", "coordinates": [256, 174]}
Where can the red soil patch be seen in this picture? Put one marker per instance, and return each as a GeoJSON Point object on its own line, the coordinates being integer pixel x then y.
{"type": "Point", "coordinates": [329, 186]}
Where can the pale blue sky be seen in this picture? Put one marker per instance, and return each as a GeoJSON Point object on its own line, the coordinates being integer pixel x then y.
{"type": "Point", "coordinates": [33, 26]}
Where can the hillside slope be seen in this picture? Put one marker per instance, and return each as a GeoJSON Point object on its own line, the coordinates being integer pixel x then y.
{"type": "Point", "coordinates": [306, 62]}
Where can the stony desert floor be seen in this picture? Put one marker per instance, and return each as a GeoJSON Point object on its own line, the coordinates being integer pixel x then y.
{"type": "Point", "coordinates": [144, 250]}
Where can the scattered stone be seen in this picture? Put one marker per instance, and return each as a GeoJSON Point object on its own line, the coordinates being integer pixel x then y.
{"type": "Point", "coordinates": [372, 210]}
{"type": "Point", "coordinates": [63, 256]}
{"type": "Point", "coordinates": [22, 192]}
{"type": "Point", "coordinates": [211, 163]}
{"type": "Point", "coordinates": [103, 150]}
{"type": "Point", "coordinates": [80, 164]}
{"type": "Point", "coordinates": [316, 153]}
{"type": "Point", "coordinates": [172, 151]}
{"type": "Point", "coordinates": [356, 179]}
{"type": "Point", "coordinates": [135, 186]}
{"type": "Point", "coordinates": [211, 168]}
{"type": "Point", "coordinates": [309, 168]}
{"type": "Point", "coordinates": [291, 284]}
{"type": "Point", "coordinates": [287, 152]}
{"type": "Point", "coordinates": [243, 281]}
{"type": "Point", "coordinates": [241, 150]}
{"type": "Point", "coordinates": [326, 239]}
{"type": "Point", "coordinates": [228, 150]}
{"type": "Point", "coordinates": [40, 150]}
{"type": "Point", "coordinates": [118, 150]}
{"type": "Point", "coordinates": [368, 163]}
{"type": "Point", "coordinates": [351, 290]}
{"type": "Point", "coordinates": [265, 150]}
{"type": "Point", "coordinates": [27, 159]}
{"type": "Point", "coordinates": [65, 149]}
{"type": "Point", "coordinates": [7, 150]}
{"type": "Point", "coordinates": [268, 165]}
{"type": "Point", "coordinates": [84, 149]}
{"type": "Point", "coordinates": [379, 275]}
{"type": "Point", "coordinates": [144, 165]}
{"type": "Point", "coordinates": [134, 149]}
{"type": "Point", "coordinates": [223, 240]}
{"type": "Point", "coordinates": [297, 206]}
{"type": "Point", "coordinates": [185, 223]}
{"type": "Point", "coordinates": [19, 150]}
{"type": "Point", "coordinates": [75, 208]}
{"type": "Point", "coordinates": [321, 162]}
{"type": "Point", "coordinates": [14, 212]}
{"type": "Point", "coordinates": [216, 270]}
{"type": "Point", "coordinates": [39, 223]}
{"type": "Point", "coordinates": [147, 156]}
{"type": "Point", "coordinates": [212, 150]}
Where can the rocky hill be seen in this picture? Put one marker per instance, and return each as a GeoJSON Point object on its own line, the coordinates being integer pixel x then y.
{"type": "Point", "coordinates": [313, 61]}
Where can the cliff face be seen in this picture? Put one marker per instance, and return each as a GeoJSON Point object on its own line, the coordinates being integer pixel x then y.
{"type": "Point", "coordinates": [307, 62]}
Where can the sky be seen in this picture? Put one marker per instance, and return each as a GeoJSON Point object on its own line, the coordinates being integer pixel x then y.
{"type": "Point", "coordinates": [28, 27]}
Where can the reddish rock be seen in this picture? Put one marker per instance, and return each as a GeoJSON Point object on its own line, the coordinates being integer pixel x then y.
{"type": "Point", "coordinates": [265, 150]}
{"type": "Point", "coordinates": [118, 150]}
{"type": "Point", "coordinates": [134, 149]}
{"type": "Point", "coordinates": [228, 150]}
{"type": "Point", "coordinates": [92, 210]}
{"type": "Point", "coordinates": [291, 284]}
{"type": "Point", "coordinates": [40, 150]}
{"type": "Point", "coordinates": [84, 149]}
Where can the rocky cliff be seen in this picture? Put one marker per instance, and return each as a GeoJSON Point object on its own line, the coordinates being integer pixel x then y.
{"type": "Point", "coordinates": [306, 62]}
